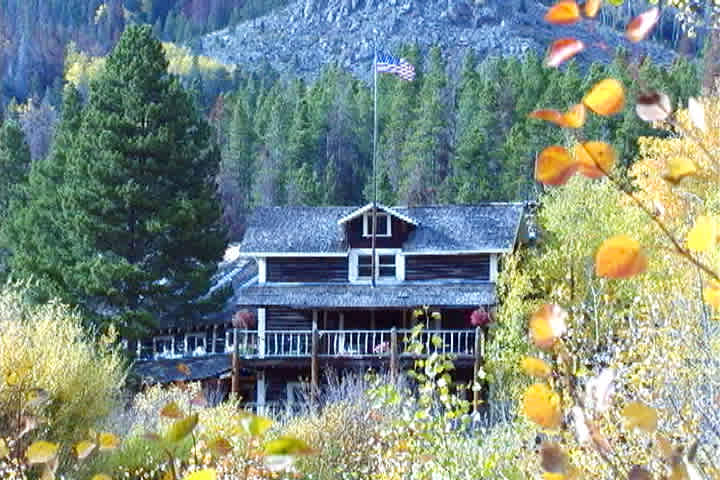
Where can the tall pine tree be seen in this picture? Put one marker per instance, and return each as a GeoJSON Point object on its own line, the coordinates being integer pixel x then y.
{"type": "Point", "coordinates": [138, 198]}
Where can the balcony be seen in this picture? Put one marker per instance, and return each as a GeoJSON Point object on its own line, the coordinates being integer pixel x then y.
{"type": "Point", "coordinates": [350, 343]}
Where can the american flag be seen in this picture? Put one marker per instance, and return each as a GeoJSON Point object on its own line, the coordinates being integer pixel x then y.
{"type": "Point", "coordinates": [398, 66]}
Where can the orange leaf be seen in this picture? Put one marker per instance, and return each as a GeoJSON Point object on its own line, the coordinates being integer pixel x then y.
{"type": "Point", "coordinates": [606, 98]}
{"type": "Point", "coordinates": [542, 406]}
{"type": "Point", "coordinates": [575, 117]}
{"type": "Point", "coordinates": [640, 26]}
{"type": "Point", "coordinates": [554, 166]}
{"type": "Point", "coordinates": [595, 159]}
{"type": "Point", "coordinates": [562, 50]}
{"type": "Point", "coordinates": [563, 12]}
{"type": "Point", "coordinates": [552, 116]}
{"type": "Point", "coordinates": [592, 7]}
{"type": "Point", "coordinates": [620, 257]}
{"type": "Point", "coordinates": [547, 325]}
{"type": "Point", "coordinates": [711, 294]}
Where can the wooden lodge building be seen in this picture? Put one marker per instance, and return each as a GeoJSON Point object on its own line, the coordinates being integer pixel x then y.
{"type": "Point", "coordinates": [305, 276]}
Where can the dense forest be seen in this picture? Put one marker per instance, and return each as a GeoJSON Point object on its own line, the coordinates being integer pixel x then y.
{"type": "Point", "coordinates": [440, 139]}
{"type": "Point", "coordinates": [35, 34]}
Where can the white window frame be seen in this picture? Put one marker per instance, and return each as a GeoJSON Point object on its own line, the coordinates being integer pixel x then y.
{"type": "Point", "coordinates": [195, 335]}
{"type": "Point", "coordinates": [367, 224]}
{"type": "Point", "coordinates": [353, 265]}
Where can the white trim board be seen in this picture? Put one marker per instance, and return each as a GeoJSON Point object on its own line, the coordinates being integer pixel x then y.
{"type": "Point", "coordinates": [382, 207]}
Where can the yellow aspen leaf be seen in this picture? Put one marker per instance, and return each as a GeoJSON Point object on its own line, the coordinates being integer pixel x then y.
{"type": "Point", "coordinates": [640, 26]}
{"type": "Point", "coordinates": [207, 474]}
{"type": "Point", "coordinates": [553, 476]}
{"type": "Point", "coordinates": [172, 410]}
{"type": "Point", "coordinates": [84, 449]}
{"type": "Point", "coordinates": [554, 166]}
{"type": "Point", "coordinates": [678, 168]}
{"type": "Point", "coordinates": [640, 416]}
{"type": "Point", "coordinates": [711, 294]}
{"type": "Point", "coordinates": [563, 12]}
{"type": "Point", "coordinates": [535, 367]}
{"type": "Point", "coordinates": [4, 450]}
{"type": "Point", "coordinates": [552, 458]}
{"type": "Point", "coordinates": [182, 428]}
{"type": "Point", "coordinates": [287, 446]}
{"type": "Point", "coordinates": [653, 106]}
{"type": "Point", "coordinates": [542, 405]}
{"type": "Point", "coordinates": [41, 452]}
{"type": "Point", "coordinates": [562, 50]}
{"type": "Point", "coordinates": [620, 257]}
{"type": "Point", "coordinates": [256, 425]}
{"type": "Point", "coordinates": [101, 476]}
{"type": "Point", "coordinates": [108, 441]}
{"type": "Point", "coordinates": [547, 325]}
{"type": "Point", "coordinates": [703, 235]}
{"type": "Point", "coordinates": [592, 7]}
{"type": "Point", "coordinates": [12, 379]}
{"type": "Point", "coordinates": [606, 98]}
{"type": "Point", "coordinates": [575, 117]}
{"type": "Point", "coordinates": [595, 159]}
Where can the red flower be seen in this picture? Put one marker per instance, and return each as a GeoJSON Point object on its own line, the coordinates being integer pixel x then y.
{"type": "Point", "coordinates": [480, 318]}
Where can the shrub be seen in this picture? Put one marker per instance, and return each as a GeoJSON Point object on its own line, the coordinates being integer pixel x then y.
{"type": "Point", "coordinates": [47, 353]}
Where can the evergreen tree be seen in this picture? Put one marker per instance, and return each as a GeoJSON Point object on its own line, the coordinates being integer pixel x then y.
{"type": "Point", "coordinates": [14, 163]}
{"type": "Point", "coordinates": [237, 169]}
{"type": "Point", "coordinates": [143, 218]}
{"type": "Point", "coordinates": [36, 228]}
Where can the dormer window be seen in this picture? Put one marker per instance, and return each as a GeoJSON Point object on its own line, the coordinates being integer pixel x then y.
{"type": "Point", "coordinates": [383, 224]}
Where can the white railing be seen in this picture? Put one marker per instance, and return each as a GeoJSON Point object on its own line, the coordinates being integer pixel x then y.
{"type": "Point", "coordinates": [288, 343]}
{"type": "Point", "coordinates": [247, 341]}
{"type": "Point", "coordinates": [343, 343]}
{"type": "Point", "coordinates": [353, 343]}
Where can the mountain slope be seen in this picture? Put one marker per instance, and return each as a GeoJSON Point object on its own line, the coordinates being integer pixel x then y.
{"type": "Point", "coordinates": [307, 34]}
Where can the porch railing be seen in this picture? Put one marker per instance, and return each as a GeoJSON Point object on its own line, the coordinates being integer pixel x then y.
{"type": "Point", "coordinates": [348, 343]}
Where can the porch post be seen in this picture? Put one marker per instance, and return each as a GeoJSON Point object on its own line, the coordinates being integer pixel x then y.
{"type": "Point", "coordinates": [393, 355]}
{"type": "Point", "coordinates": [213, 347]}
{"type": "Point", "coordinates": [260, 392]}
{"type": "Point", "coordinates": [261, 332]}
{"type": "Point", "coordinates": [235, 382]}
{"type": "Point", "coordinates": [476, 369]}
{"type": "Point", "coordinates": [314, 365]}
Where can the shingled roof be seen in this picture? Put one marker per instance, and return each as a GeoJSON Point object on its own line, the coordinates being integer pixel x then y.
{"type": "Point", "coordinates": [452, 228]}
{"type": "Point", "coordinates": [406, 295]}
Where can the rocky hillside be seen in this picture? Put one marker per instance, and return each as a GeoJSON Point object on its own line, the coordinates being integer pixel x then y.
{"type": "Point", "coordinates": [307, 34]}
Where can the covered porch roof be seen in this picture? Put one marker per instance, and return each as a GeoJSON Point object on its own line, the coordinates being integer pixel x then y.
{"type": "Point", "coordinates": [405, 295]}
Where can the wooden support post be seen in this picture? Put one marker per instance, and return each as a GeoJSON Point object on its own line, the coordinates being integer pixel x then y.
{"type": "Point", "coordinates": [314, 365]}
{"type": "Point", "coordinates": [213, 347]}
{"type": "Point", "coordinates": [393, 355]}
{"type": "Point", "coordinates": [235, 386]}
{"type": "Point", "coordinates": [476, 368]}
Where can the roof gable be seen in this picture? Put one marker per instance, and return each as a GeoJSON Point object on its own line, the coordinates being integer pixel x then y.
{"type": "Point", "coordinates": [368, 208]}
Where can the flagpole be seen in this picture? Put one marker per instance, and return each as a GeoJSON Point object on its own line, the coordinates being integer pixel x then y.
{"type": "Point", "coordinates": [374, 173]}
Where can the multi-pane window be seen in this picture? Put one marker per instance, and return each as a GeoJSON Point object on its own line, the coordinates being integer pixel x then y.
{"type": "Point", "coordinates": [364, 266]}
{"type": "Point", "coordinates": [385, 266]}
{"type": "Point", "coordinates": [383, 225]}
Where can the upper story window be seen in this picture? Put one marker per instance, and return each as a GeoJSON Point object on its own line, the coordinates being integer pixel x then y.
{"type": "Point", "coordinates": [163, 346]}
{"type": "Point", "coordinates": [387, 265]}
{"type": "Point", "coordinates": [384, 224]}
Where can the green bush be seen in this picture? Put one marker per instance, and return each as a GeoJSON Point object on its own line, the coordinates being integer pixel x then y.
{"type": "Point", "coordinates": [45, 351]}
